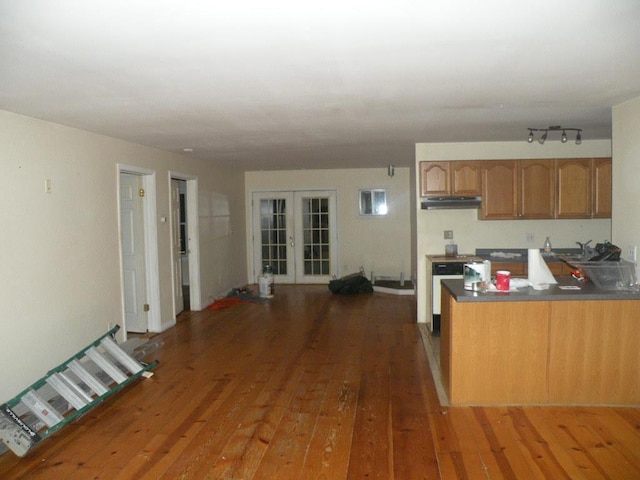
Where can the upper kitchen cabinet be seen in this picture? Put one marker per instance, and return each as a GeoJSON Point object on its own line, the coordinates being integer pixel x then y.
{"type": "Point", "coordinates": [465, 178]}
{"type": "Point", "coordinates": [536, 189]}
{"type": "Point", "coordinates": [456, 178]}
{"type": "Point", "coordinates": [518, 189]}
{"type": "Point", "coordinates": [574, 188]}
{"type": "Point", "coordinates": [499, 190]}
{"type": "Point", "coordinates": [546, 189]}
{"type": "Point", "coordinates": [435, 178]}
{"type": "Point", "coordinates": [526, 189]}
{"type": "Point", "coordinates": [601, 184]}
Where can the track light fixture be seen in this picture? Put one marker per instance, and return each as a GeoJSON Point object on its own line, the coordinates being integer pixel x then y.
{"type": "Point", "coordinates": [555, 128]}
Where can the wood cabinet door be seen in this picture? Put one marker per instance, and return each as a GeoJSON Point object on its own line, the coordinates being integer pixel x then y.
{"type": "Point", "coordinates": [499, 190]}
{"type": "Point", "coordinates": [435, 179]}
{"type": "Point", "coordinates": [559, 269]}
{"type": "Point", "coordinates": [520, 269]}
{"type": "Point", "coordinates": [601, 182]}
{"type": "Point", "coordinates": [482, 339]}
{"type": "Point", "coordinates": [574, 188]}
{"type": "Point", "coordinates": [465, 178]}
{"type": "Point", "coordinates": [536, 188]}
{"type": "Point", "coordinates": [517, 269]}
{"type": "Point", "coordinates": [593, 352]}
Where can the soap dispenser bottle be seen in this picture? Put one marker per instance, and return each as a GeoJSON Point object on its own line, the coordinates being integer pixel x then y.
{"type": "Point", "coordinates": [547, 245]}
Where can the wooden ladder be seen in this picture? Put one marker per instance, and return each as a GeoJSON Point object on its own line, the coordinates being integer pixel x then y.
{"type": "Point", "coordinates": [67, 392]}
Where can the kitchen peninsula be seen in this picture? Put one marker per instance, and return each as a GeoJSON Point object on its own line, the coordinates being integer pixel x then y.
{"type": "Point", "coordinates": [557, 346]}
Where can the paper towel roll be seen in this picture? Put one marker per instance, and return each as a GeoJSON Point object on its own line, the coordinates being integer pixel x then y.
{"type": "Point", "coordinates": [539, 273]}
{"type": "Point", "coordinates": [487, 272]}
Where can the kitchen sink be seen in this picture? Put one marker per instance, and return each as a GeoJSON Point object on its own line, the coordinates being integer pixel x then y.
{"type": "Point", "coordinates": [571, 257]}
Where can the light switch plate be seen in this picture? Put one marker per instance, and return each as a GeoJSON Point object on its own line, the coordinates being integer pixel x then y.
{"type": "Point", "coordinates": [448, 234]}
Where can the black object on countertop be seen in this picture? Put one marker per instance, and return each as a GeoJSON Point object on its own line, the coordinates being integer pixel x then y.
{"type": "Point", "coordinates": [606, 252]}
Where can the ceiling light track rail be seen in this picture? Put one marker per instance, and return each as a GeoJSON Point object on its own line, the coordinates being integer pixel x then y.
{"type": "Point", "coordinates": [555, 128]}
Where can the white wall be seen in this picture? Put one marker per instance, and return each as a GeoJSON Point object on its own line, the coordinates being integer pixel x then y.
{"type": "Point", "coordinates": [381, 244]}
{"type": "Point", "coordinates": [471, 233]}
{"type": "Point", "coordinates": [59, 252]}
{"type": "Point", "coordinates": [625, 223]}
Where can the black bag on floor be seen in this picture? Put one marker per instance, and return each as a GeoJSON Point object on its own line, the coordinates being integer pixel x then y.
{"type": "Point", "coordinates": [351, 284]}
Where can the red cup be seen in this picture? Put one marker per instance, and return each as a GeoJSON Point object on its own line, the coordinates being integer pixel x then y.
{"type": "Point", "coordinates": [503, 278]}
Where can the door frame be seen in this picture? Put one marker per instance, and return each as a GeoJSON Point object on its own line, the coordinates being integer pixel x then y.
{"type": "Point", "coordinates": [177, 275]}
{"type": "Point", "coordinates": [293, 222]}
{"type": "Point", "coordinates": [193, 233]}
{"type": "Point", "coordinates": [148, 179]}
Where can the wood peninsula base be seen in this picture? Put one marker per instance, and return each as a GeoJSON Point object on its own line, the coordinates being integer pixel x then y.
{"type": "Point", "coordinates": [529, 348]}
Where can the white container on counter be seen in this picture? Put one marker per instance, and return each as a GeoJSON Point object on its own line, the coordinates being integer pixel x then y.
{"type": "Point", "coordinates": [477, 275]}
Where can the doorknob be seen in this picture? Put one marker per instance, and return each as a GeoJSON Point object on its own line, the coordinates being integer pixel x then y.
{"type": "Point", "coordinates": [291, 243]}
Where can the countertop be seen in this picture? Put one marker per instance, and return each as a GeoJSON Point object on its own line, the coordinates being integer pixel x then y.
{"type": "Point", "coordinates": [462, 258]}
{"type": "Point", "coordinates": [586, 291]}
{"type": "Point", "coordinates": [521, 255]}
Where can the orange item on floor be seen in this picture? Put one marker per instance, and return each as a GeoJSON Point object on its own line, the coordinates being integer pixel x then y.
{"type": "Point", "coordinates": [225, 303]}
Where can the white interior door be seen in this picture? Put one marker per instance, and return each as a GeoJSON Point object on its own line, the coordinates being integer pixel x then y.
{"type": "Point", "coordinates": [316, 236]}
{"type": "Point", "coordinates": [296, 234]}
{"type": "Point", "coordinates": [133, 253]}
{"type": "Point", "coordinates": [273, 241]}
{"type": "Point", "coordinates": [176, 250]}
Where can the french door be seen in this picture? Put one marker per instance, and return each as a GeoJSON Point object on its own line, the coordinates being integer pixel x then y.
{"type": "Point", "coordinates": [295, 233]}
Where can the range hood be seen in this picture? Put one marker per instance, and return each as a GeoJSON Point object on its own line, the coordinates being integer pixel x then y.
{"type": "Point", "coordinates": [434, 203]}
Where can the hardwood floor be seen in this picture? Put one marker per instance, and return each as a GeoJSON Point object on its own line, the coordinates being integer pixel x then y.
{"type": "Point", "coordinates": [312, 385]}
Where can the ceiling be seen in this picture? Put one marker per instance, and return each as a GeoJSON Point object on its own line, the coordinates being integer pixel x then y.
{"type": "Point", "coordinates": [330, 84]}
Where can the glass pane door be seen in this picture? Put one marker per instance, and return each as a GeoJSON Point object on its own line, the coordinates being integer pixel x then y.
{"type": "Point", "coordinates": [315, 225]}
{"type": "Point", "coordinates": [273, 232]}
{"type": "Point", "coordinates": [273, 235]}
{"type": "Point", "coordinates": [295, 233]}
{"type": "Point", "coordinates": [316, 235]}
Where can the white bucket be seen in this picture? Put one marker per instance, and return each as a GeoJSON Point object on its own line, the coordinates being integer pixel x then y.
{"type": "Point", "coordinates": [265, 285]}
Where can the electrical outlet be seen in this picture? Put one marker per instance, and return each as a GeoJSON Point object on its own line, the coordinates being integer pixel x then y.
{"type": "Point", "coordinates": [531, 238]}
{"type": "Point", "coordinates": [632, 253]}
{"type": "Point", "coordinates": [448, 234]}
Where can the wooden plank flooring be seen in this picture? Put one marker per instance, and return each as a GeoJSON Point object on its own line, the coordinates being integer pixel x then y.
{"type": "Point", "coordinates": [312, 385]}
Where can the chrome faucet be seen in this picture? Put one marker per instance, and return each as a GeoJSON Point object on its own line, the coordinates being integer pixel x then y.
{"type": "Point", "coordinates": [585, 250]}
{"type": "Point", "coordinates": [583, 246]}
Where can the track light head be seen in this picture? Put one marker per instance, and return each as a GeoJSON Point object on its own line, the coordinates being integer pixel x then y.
{"type": "Point", "coordinates": [579, 138]}
{"type": "Point", "coordinates": [543, 138]}
{"type": "Point", "coordinates": [564, 137]}
{"type": "Point", "coordinates": [530, 139]}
